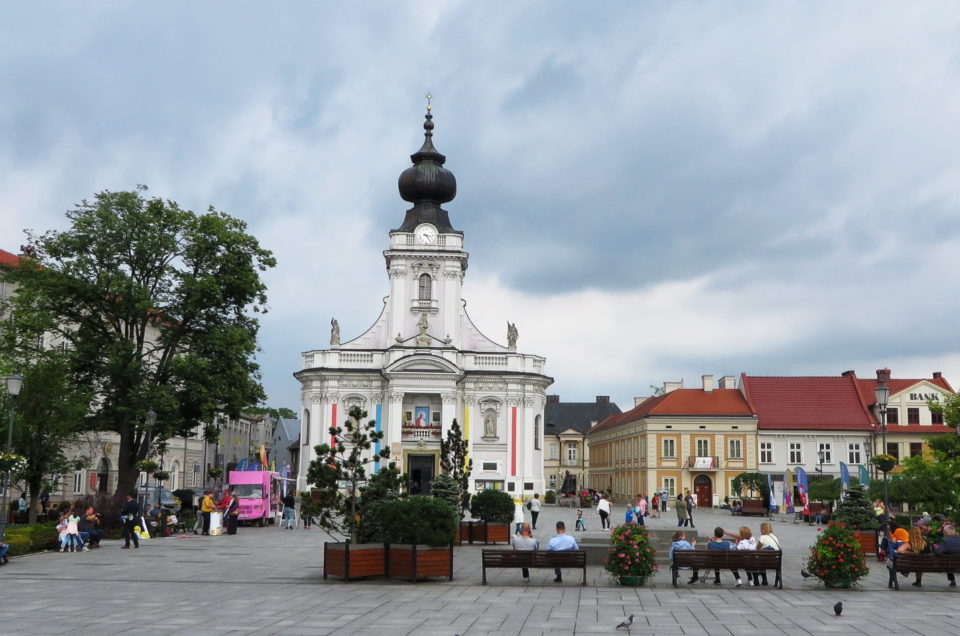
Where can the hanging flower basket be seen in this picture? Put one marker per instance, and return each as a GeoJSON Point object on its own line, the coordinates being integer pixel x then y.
{"type": "Point", "coordinates": [884, 462]}
{"type": "Point", "coordinates": [147, 466]}
{"type": "Point", "coordinates": [12, 462]}
{"type": "Point", "coordinates": [215, 473]}
{"type": "Point", "coordinates": [161, 475]}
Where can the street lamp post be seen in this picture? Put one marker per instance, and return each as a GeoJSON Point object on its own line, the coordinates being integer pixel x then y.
{"type": "Point", "coordinates": [882, 393]}
{"type": "Point", "coordinates": [149, 420]}
{"type": "Point", "coordinates": [820, 455]}
{"type": "Point", "coordinates": [14, 383]}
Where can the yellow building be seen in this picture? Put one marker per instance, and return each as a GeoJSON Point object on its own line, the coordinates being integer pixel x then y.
{"type": "Point", "coordinates": [685, 439]}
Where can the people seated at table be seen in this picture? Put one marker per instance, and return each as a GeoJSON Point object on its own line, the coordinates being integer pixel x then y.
{"type": "Point", "coordinates": [736, 508]}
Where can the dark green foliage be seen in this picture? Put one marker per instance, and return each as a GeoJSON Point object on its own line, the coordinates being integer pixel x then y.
{"type": "Point", "coordinates": [444, 487]}
{"type": "Point", "coordinates": [418, 519]}
{"type": "Point", "coordinates": [754, 484]}
{"type": "Point", "coordinates": [339, 475]}
{"type": "Point", "coordinates": [550, 497]}
{"type": "Point", "coordinates": [33, 537]}
{"type": "Point", "coordinates": [454, 462]}
{"type": "Point", "coordinates": [856, 511]}
{"type": "Point", "coordinates": [492, 505]}
{"type": "Point", "coordinates": [156, 306]}
{"type": "Point", "coordinates": [385, 485]}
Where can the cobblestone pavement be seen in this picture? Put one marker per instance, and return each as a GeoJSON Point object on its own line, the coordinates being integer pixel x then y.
{"type": "Point", "coordinates": [269, 581]}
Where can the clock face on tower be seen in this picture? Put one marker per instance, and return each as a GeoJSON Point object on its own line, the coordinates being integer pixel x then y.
{"type": "Point", "coordinates": [426, 234]}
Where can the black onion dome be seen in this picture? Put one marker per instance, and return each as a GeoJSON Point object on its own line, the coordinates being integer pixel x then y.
{"type": "Point", "coordinates": [427, 184]}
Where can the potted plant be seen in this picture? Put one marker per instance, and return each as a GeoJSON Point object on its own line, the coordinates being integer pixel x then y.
{"type": "Point", "coordinates": [215, 473]}
{"type": "Point", "coordinates": [884, 462]}
{"type": "Point", "coordinates": [856, 513]}
{"type": "Point", "coordinates": [147, 466]}
{"type": "Point", "coordinates": [161, 475]}
{"type": "Point", "coordinates": [836, 558]}
{"type": "Point", "coordinates": [494, 510]}
{"type": "Point", "coordinates": [631, 556]}
{"type": "Point", "coordinates": [339, 477]}
{"type": "Point", "coordinates": [12, 462]}
{"type": "Point", "coordinates": [421, 531]}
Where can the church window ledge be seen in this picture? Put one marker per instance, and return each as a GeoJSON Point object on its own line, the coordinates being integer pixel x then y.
{"type": "Point", "coordinates": [432, 432]}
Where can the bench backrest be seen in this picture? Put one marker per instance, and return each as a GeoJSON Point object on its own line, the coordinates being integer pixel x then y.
{"type": "Point", "coordinates": [534, 558]}
{"type": "Point", "coordinates": [560, 559]}
{"type": "Point", "coordinates": [927, 562]}
{"type": "Point", "coordinates": [508, 558]}
{"type": "Point", "coordinates": [729, 559]}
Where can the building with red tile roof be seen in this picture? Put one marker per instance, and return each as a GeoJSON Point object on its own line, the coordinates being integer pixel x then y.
{"type": "Point", "coordinates": [694, 440]}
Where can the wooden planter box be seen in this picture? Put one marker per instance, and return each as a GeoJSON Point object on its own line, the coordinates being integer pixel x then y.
{"type": "Point", "coordinates": [356, 561]}
{"type": "Point", "coordinates": [869, 543]}
{"type": "Point", "coordinates": [483, 532]}
{"type": "Point", "coordinates": [420, 562]}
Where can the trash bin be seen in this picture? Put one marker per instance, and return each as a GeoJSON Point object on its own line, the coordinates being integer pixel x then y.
{"type": "Point", "coordinates": [216, 523]}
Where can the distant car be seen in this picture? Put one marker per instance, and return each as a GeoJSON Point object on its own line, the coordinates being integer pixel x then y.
{"type": "Point", "coordinates": [149, 494]}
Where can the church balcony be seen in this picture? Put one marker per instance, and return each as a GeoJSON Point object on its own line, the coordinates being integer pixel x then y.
{"type": "Point", "coordinates": [414, 433]}
{"type": "Point", "coordinates": [432, 305]}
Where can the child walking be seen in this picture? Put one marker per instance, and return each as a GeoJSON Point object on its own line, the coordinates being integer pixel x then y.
{"type": "Point", "coordinates": [580, 525]}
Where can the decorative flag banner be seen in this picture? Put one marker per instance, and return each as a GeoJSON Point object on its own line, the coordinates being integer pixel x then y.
{"type": "Point", "coordinates": [284, 474]}
{"type": "Point", "coordinates": [844, 479]}
{"type": "Point", "coordinates": [788, 492]}
{"type": "Point", "coordinates": [263, 457]}
{"type": "Point", "coordinates": [802, 489]}
{"type": "Point", "coordinates": [254, 465]}
{"type": "Point", "coordinates": [864, 475]}
{"type": "Point", "coordinates": [773, 497]}
{"type": "Point", "coordinates": [242, 464]}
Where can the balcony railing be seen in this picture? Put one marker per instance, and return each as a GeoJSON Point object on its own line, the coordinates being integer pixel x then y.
{"type": "Point", "coordinates": [421, 432]}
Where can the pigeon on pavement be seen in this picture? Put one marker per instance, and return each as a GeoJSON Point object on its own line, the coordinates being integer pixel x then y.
{"type": "Point", "coordinates": [838, 608]}
{"type": "Point", "coordinates": [804, 574]}
{"type": "Point", "coordinates": [627, 623]}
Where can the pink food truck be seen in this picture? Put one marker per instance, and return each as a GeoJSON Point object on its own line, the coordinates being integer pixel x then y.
{"type": "Point", "coordinates": [259, 494]}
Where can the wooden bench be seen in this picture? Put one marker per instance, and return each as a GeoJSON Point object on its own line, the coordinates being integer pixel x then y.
{"type": "Point", "coordinates": [906, 562]}
{"type": "Point", "coordinates": [753, 507]}
{"type": "Point", "coordinates": [728, 560]}
{"type": "Point", "coordinates": [535, 559]}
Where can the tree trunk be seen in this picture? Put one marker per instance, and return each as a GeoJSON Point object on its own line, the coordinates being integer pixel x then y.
{"type": "Point", "coordinates": [127, 473]}
{"type": "Point", "coordinates": [34, 487]}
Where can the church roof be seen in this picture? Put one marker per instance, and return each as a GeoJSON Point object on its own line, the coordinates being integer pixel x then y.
{"type": "Point", "coordinates": [428, 185]}
{"type": "Point", "coordinates": [291, 427]}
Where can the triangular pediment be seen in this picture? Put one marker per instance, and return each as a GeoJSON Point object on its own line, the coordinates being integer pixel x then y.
{"type": "Point", "coordinates": [922, 391]}
{"type": "Point", "coordinates": [422, 363]}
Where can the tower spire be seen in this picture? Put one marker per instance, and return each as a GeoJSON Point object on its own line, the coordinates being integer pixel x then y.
{"type": "Point", "coordinates": [427, 184]}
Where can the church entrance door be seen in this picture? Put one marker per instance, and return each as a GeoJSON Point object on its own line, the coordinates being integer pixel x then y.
{"type": "Point", "coordinates": [420, 468]}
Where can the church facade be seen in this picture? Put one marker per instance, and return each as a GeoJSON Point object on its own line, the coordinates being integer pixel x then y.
{"type": "Point", "coordinates": [424, 363]}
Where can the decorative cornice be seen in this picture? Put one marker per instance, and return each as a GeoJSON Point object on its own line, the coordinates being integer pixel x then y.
{"type": "Point", "coordinates": [449, 398]}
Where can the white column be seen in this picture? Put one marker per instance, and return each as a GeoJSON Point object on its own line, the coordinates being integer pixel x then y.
{"type": "Point", "coordinates": [448, 412]}
{"type": "Point", "coordinates": [393, 422]}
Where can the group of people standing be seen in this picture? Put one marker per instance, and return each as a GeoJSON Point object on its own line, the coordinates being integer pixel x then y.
{"type": "Point", "coordinates": [685, 506]}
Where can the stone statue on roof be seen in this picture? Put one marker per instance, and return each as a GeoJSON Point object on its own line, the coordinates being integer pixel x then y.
{"type": "Point", "coordinates": [511, 336]}
{"type": "Point", "coordinates": [334, 333]}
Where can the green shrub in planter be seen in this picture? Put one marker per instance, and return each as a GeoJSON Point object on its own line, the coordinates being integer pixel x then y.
{"type": "Point", "coordinates": [550, 497]}
{"type": "Point", "coordinates": [44, 537]}
{"type": "Point", "coordinates": [416, 520]}
{"type": "Point", "coordinates": [492, 505]}
{"type": "Point", "coordinates": [19, 544]}
{"type": "Point", "coordinates": [445, 488]}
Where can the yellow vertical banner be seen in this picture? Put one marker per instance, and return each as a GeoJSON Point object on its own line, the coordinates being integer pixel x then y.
{"type": "Point", "coordinates": [466, 423]}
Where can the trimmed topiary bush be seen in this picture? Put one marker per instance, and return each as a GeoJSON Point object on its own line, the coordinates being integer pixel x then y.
{"type": "Point", "coordinates": [19, 544]}
{"type": "Point", "coordinates": [493, 506]}
{"type": "Point", "coordinates": [550, 497]}
{"type": "Point", "coordinates": [856, 511]}
{"type": "Point", "coordinates": [416, 520]}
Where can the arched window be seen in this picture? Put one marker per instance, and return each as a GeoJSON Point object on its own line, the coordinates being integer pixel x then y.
{"type": "Point", "coordinates": [306, 427]}
{"type": "Point", "coordinates": [536, 432]}
{"type": "Point", "coordinates": [426, 287]}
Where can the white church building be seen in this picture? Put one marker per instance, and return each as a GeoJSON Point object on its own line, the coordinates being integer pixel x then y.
{"type": "Point", "coordinates": [424, 363]}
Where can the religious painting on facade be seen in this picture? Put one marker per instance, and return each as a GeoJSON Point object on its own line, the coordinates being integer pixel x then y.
{"type": "Point", "coordinates": [422, 416]}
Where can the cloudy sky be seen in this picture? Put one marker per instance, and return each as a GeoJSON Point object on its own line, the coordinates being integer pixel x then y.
{"type": "Point", "coordinates": [651, 191]}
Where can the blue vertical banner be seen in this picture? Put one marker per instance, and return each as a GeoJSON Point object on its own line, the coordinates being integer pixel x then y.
{"type": "Point", "coordinates": [844, 479]}
{"type": "Point", "coordinates": [376, 447]}
{"type": "Point", "coordinates": [864, 475]}
{"type": "Point", "coordinates": [773, 497]}
{"type": "Point", "coordinates": [802, 486]}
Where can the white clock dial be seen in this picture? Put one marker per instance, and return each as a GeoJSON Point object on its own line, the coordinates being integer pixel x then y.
{"type": "Point", "coordinates": [426, 235]}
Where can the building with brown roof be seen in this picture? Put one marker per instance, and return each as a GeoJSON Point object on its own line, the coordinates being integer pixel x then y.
{"type": "Point", "coordinates": [695, 440]}
{"type": "Point", "coordinates": [565, 429]}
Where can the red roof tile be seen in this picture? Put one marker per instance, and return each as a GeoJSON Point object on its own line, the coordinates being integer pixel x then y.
{"type": "Point", "coordinates": [815, 403]}
{"type": "Point", "coordinates": [898, 386]}
{"type": "Point", "coordinates": [6, 258]}
{"type": "Point", "coordinates": [719, 402]}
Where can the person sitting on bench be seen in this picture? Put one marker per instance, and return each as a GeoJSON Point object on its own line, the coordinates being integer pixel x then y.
{"type": "Point", "coordinates": [562, 541]}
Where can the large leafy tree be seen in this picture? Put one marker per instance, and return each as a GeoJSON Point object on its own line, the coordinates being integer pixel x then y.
{"type": "Point", "coordinates": [157, 307]}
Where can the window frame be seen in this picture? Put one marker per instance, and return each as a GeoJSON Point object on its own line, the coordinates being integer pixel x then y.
{"type": "Point", "coordinates": [854, 453]}
{"type": "Point", "coordinates": [763, 451]}
{"type": "Point", "coordinates": [795, 447]}
{"type": "Point", "coordinates": [913, 415]}
{"type": "Point", "coordinates": [672, 442]}
{"type": "Point", "coordinates": [827, 448]}
{"type": "Point", "coordinates": [730, 444]}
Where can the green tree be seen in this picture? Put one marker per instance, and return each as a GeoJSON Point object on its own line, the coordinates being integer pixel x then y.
{"type": "Point", "coordinates": [156, 305]}
{"type": "Point", "coordinates": [752, 483]}
{"type": "Point", "coordinates": [276, 414]}
{"type": "Point", "coordinates": [339, 474]}
{"type": "Point", "coordinates": [454, 462]}
{"type": "Point", "coordinates": [856, 511]}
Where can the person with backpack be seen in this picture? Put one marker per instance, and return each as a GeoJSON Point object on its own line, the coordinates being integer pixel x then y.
{"type": "Point", "coordinates": [534, 507]}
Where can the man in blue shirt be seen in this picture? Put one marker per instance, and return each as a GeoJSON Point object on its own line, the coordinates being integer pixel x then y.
{"type": "Point", "coordinates": [562, 541]}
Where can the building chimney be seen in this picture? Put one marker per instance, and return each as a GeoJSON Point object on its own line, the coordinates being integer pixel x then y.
{"type": "Point", "coordinates": [937, 375]}
{"type": "Point", "coordinates": [707, 383]}
{"type": "Point", "coordinates": [883, 375]}
{"type": "Point", "coordinates": [603, 399]}
{"type": "Point", "coordinates": [728, 382]}
{"type": "Point", "coordinates": [553, 399]}
{"type": "Point", "coordinates": [847, 374]}
{"type": "Point", "coordinates": [672, 386]}
{"type": "Point", "coordinates": [637, 401]}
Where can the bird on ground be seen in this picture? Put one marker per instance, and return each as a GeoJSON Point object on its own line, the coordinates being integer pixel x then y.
{"type": "Point", "coordinates": [627, 623]}
{"type": "Point", "coordinates": [804, 574]}
{"type": "Point", "coordinates": [838, 608]}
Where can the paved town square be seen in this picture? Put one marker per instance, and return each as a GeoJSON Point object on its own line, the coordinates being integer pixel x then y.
{"type": "Point", "coordinates": [269, 581]}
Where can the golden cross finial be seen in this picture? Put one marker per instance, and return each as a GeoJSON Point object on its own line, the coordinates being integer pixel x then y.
{"type": "Point", "coordinates": [429, 97]}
